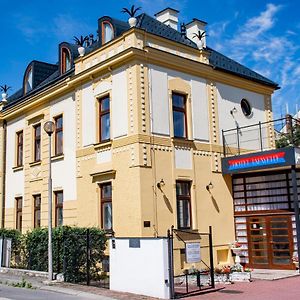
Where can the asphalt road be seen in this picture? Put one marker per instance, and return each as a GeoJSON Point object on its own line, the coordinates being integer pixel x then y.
{"type": "Point", "coordinates": [8, 293]}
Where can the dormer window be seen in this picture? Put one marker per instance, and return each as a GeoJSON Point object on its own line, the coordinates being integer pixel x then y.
{"type": "Point", "coordinates": [65, 60]}
{"type": "Point", "coordinates": [28, 81]}
{"type": "Point", "coordinates": [107, 32]}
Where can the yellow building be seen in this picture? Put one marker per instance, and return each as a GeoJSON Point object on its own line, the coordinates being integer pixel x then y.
{"type": "Point", "coordinates": [138, 144]}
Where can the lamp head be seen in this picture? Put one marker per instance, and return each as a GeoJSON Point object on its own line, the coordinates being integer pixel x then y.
{"type": "Point", "coordinates": [49, 127]}
{"type": "Point", "coordinates": [209, 186]}
{"type": "Point", "coordinates": [161, 184]}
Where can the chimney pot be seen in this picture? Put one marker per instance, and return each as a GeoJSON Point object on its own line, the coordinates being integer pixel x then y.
{"type": "Point", "coordinates": [195, 26]}
{"type": "Point", "coordinates": [169, 17]}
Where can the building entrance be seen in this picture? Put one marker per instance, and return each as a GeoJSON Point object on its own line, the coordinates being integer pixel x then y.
{"type": "Point", "coordinates": [270, 242]}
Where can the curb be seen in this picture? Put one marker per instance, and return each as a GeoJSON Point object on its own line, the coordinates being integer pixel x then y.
{"type": "Point", "coordinates": [73, 292]}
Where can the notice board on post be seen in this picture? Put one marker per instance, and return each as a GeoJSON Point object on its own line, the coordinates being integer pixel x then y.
{"type": "Point", "coordinates": [192, 252]}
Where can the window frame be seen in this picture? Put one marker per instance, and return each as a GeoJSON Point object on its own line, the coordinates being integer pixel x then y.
{"type": "Point", "coordinates": [37, 208]}
{"type": "Point", "coordinates": [19, 209]}
{"type": "Point", "coordinates": [180, 198]}
{"type": "Point", "coordinates": [103, 31]}
{"type": "Point", "coordinates": [37, 139]}
{"type": "Point", "coordinates": [101, 114]}
{"type": "Point", "coordinates": [59, 206]}
{"type": "Point", "coordinates": [105, 200]}
{"type": "Point", "coordinates": [56, 132]}
{"type": "Point", "coordinates": [181, 110]}
{"type": "Point", "coordinates": [20, 148]}
{"type": "Point", "coordinates": [30, 70]}
{"type": "Point", "coordinates": [64, 53]}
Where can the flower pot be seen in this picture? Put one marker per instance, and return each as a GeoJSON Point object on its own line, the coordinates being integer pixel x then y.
{"type": "Point", "coordinates": [132, 22]}
{"type": "Point", "coordinates": [81, 51]}
{"type": "Point", "coordinates": [4, 95]}
{"type": "Point", "coordinates": [237, 251]}
{"type": "Point", "coordinates": [200, 44]}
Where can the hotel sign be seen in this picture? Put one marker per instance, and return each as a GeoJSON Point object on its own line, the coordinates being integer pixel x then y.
{"type": "Point", "coordinates": [259, 160]}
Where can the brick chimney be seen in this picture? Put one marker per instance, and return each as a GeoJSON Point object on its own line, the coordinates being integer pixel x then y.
{"type": "Point", "coordinates": [169, 17]}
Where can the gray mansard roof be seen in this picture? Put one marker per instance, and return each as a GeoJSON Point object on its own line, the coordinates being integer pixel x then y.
{"type": "Point", "coordinates": [49, 74]}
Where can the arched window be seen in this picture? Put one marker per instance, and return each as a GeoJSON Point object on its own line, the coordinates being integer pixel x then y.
{"type": "Point", "coordinates": [28, 81]}
{"type": "Point", "coordinates": [65, 60]}
{"type": "Point", "coordinates": [107, 32]}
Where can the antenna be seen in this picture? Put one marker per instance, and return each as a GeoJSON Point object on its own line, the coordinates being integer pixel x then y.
{"type": "Point", "coordinates": [287, 108]}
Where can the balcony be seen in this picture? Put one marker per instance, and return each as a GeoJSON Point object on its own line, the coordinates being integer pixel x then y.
{"type": "Point", "coordinates": [262, 136]}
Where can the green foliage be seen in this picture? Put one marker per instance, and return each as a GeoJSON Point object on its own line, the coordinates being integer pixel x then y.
{"type": "Point", "coordinates": [17, 246]}
{"type": "Point", "coordinates": [69, 247]}
{"type": "Point", "coordinates": [289, 139]}
{"type": "Point", "coordinates": [132, 11]}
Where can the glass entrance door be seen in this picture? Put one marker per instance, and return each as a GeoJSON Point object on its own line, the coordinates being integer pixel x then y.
{"type": "Point", "coordinates": [270, 242]}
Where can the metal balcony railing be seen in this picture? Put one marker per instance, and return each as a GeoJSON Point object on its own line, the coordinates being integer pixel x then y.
{"type": "Point", "coordinates": [262, 136]}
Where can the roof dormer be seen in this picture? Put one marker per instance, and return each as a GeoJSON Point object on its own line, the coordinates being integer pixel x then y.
{"type": "Point", "coordinates": [67, 53]}
{"type": "Point", "coordinates": [109, 28]}
{"type": "Point", "coordinates": [35, 73]}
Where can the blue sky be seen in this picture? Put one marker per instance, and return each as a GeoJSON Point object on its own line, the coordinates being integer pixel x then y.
{"type": "Point", "coordinates": [263, 35]}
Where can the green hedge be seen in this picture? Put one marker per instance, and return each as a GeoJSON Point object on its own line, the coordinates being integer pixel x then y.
{"type": "Point", "coordinates": [69, 247]}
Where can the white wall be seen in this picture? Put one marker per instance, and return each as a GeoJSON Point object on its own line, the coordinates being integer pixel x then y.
{"type": "Point", "coordinates": [119, 103]}
{"type": "Point", "coordinates": [14, 184]}
{"type": "Point", "coordinates": [140, 270]}
{"type": "Point", "coordinates": [88, 115]}
{"type": "Point", "coordinates": [200, 109]}
{"type": "Point", "coordinates": [183, 159]}
{"type": "Point", "coordinates": [64, 171]}
{"type": "Point", "coordinates": [230, 97]}
{"type": "Point", "coordinates": [159, 99]}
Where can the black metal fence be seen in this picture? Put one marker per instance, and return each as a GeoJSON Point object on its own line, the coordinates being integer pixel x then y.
{"type": "Point", "coordinates": [191, 281]}
{"type": "Point", "coordinates": [261, 136]}
{"type": "Point", "coordinates": [78, 255]}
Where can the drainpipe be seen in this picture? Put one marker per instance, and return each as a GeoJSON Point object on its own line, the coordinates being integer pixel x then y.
{"type": "Point", "coordinates": [3, 173]}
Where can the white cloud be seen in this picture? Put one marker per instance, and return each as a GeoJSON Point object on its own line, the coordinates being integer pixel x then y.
{"type": "Point", "coordinates": [33, 30]}
{"type": "Point", "coordinates": [261, 44]}
{"type": "Point", "coordinates": [65, 27]}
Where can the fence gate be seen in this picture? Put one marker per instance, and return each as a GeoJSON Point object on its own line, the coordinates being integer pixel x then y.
{"type": "Point", "coordinates": [191, 266]}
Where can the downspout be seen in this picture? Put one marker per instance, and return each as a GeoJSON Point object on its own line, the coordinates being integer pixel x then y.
{"type": "Point", "coordinates": [3, 173]}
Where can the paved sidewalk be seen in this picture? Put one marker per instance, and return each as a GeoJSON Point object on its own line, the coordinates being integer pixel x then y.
{"type": "Point", "coordinates": [281, 289]}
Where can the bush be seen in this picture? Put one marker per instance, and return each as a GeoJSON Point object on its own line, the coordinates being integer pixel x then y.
{"type": "Point", "coordinates": [69, 248]}
{"type": "Point", "coordinates": [17, 246]}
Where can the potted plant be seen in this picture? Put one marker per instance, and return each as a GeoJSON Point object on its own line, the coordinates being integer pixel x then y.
{"type": "Point", "coordinates": [295, 260]}
{"type": "Point", "coordinates": [200, 36]}
{"type": "Point", "coordinates": [237, 249]}
{"type": "Point", "coordinates": [4, 89]}
{"type": "Point", "coordinates": [131, 12]}
{"type": "Point", "coordinates": [80, 43]}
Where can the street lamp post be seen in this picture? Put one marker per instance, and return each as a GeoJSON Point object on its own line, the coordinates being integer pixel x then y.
{"type": "Point", "coordinates": [49, 127]}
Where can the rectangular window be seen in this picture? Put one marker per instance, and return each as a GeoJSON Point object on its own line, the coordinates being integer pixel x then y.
{"type": "Point", "coordinates": [106, 206]}
{"type": "Point", "coordinates": [37, 142]}
{"type": "Point", "coordinates": [59, 200]}
{"type": "Point", "coordinates": [19, 213]}
{"type": "Point", "coordinates": [104, 119]}
{"type": "Point", "coordinates": [58, 135]}
{"type": "Point", "coordinates": [183, 198]}
{"type": "Point", "coordinates": [20, 148]}
{"type": "Point", "coordinates": [179, 115]}
{"type": "Point", "coordinates": [37, 210]}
